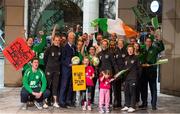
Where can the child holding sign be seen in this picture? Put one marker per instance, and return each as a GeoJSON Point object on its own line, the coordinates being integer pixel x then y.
{"type": "Point", "coordinates": [89, 70]}
{"type": "Point", "coordinates": [105, 80]}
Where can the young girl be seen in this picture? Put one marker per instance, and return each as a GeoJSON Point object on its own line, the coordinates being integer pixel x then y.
{"type": "Point", "coordinates": [104, 94]}
{"type": "Point", "coordinates": [89, 70]}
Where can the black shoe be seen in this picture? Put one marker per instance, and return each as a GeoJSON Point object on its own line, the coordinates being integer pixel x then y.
{"type": "Point", "coordinates": [70, 105]}
{"type": "Point", "coordinates": [63, 106]}
{"type": "Point", "coordinates": [154, 108]}
{"type": "Point", "coordinates": [143, 107]}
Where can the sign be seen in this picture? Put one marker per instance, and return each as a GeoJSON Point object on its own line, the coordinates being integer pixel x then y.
{"type": "Point", "coordinates": [141, 15]}
{"type": "Point", "coordinates": [78, 77]}
{"type": "Point", "coordinates": [18, 53]}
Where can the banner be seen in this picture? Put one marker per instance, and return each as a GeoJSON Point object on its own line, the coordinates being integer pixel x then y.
{"type": "Point", "coordinates": [141, 15]}
{"type": "Point", "coordinates": [18, 53]}
{"type": "Point", "coordinates": [78, 77]}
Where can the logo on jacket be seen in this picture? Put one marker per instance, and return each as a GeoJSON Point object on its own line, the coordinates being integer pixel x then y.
{"type": "Point", "coordinates": [132, 61]}
{"type": "Point", "coordinates": [106, 56]}
{"type": "Point", "coordinates": [52, 53]}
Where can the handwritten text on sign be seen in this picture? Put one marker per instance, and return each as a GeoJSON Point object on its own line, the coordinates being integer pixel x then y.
{"type": "Point", "coordinates": [18, 53]}
{"type": "Point", "coordinates": [78, 75]}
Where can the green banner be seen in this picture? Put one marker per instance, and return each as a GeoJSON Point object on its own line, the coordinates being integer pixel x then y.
{"type": "Point", "coordinates": [141, 15]}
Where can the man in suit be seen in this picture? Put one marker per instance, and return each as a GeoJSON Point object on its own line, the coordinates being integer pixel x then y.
{"type": "Point", "coordinates": [68, 52]}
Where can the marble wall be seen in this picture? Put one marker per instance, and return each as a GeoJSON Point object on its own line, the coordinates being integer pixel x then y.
{"type": "Point", "coordinates": [170, 73]}
{"type": "Point", "coordinates": [14, 26]}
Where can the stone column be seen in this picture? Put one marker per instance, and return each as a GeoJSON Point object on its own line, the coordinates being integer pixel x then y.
{"type": "Point", "coordinates": [170, 73]}
{"type": "Point", "coordinates": [14, 26]}
{"type": "Point", "coordinates": [90, 12]}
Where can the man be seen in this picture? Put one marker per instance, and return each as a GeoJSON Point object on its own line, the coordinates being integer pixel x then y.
{"type": "Point", "coordinates": [52, 60]}
{"type": "Point", "coordinates": [34, 86]}
{"type": "Point", "coordinates": [105, 57]}
{"type": "Point", "coordinates": [120, 55]}
{"type": "Point", "coordinates": [150, 72]}
{"type": "Point", "coordinates": [66, 80]}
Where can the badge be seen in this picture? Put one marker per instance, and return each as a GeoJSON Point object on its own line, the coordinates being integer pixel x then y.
{"type": "Point", "coordinates": [52, 53]}
{"type": "Point", "coordinates": [132, 61]}
{"type": "Point", "coordinates": [37, 77]}
{"type": "Point", "coordinates": [117, 56]}
{"type": "Point", "coordinates": [89, 70]}
{"type": "Point", "coordinates": [48, 73]}
{"type": "Point", "coordinates": [123, 55]}
{"type": "Point", "coordinates": [125, 62]}
{"type": "Point", "coordinates": [59, 53]}
{"type": "Point", "coordinates": [151, 52]}
{"type": "Point", "coordinates": [100, 57]}
{"type": "Point", "coordinates": [106, 56]}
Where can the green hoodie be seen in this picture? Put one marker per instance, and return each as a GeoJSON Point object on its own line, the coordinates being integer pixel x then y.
{"type": "Point", "coordinates": [33, 80]}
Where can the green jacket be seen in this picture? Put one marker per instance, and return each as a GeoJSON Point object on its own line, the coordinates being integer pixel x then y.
{"type": "Point", "coordinates": [39, 49]}
{"type": "Point", "coordinates": [151, 54]}
{"type": "Point", "coordinates": [33, 80]}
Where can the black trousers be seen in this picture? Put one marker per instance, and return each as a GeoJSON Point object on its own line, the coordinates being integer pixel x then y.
{"type": "Point", "coordinates": [93, 89]}
{"type": "Point", "coordinates": [149, 76]}
{"type": "Point", "coordinates": [130, 93]}
{"type": "Point", "coordinates": [25, 95]}
{"type": "Point", "coordinates": [117, 92]}
{"type": "Point", "coordinates": [53, 81]}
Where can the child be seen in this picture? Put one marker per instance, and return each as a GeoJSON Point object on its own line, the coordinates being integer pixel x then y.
{"type": "Point", "coordinates": [132, 64]}
{"type": "Point", "coordinates": [104, 94]}
{"type": "Point", "coordinates": [89, 70]}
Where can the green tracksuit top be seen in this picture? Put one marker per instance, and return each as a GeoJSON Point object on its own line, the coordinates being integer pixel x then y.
{"type": "Point", "coordinates": [151, 54]}
{"type": "Point", "coordinates": [33, 80]}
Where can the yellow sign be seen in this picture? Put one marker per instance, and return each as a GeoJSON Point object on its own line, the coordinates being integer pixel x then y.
{"type": "Point", "coordinates": [78, 77]}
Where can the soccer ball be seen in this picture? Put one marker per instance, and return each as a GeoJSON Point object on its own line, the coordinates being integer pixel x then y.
{"type": "Point", "coordinates": [75, 60]}
{"type": "Point", "coordinates": [95, 61]}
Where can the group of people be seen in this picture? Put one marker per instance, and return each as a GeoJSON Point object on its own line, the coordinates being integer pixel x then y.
{"type": "Point", "coordinates": [47, 78]}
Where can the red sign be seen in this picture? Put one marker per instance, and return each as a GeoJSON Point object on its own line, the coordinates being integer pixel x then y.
{"type": "Point", "coordinates": [18, 53]}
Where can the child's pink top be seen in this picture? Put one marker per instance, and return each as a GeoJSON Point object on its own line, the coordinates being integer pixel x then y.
{"type": "Point", "coordinates": [105, 83]}
{"type": "Point", "coordinates": [89, 73]}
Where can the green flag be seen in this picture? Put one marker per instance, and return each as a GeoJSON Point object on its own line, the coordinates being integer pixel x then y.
{"type": "Point", "coordinates": [154, 22]}
{"type": "Point", "coordinates": [141, 14]}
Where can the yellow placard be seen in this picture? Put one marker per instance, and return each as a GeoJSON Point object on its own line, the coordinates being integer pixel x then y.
{"type": "Point", "coordinates": [78, 77]}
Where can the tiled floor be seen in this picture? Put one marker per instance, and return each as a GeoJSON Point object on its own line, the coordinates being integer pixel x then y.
{"type": "Point", "coordinates": [10, 104]}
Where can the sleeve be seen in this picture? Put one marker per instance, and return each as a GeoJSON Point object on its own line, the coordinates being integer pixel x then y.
{"type": "Point", "coordinates": [160, 46]}
{"type": "Point", "coordinates": [25, 81]}
{"type": "Point", "coordinates": [39, 47]}
{"type": "Point", "coordinates": [64, 52]}
{"type": "Point", "coordinates": [46, 54]}
{"type": "Point", "coordinates": [44, 82]}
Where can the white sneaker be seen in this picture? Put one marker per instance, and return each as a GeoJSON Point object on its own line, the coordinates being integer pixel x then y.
{"type": "Point", "coordinates": [24, 107]}
{"type": "Point", "coordinates": [45, 105]}
{"type": "Point", "coordinates": [101, 111]}
{"type": "Point", "coordinates": [125, 108]}
{"type": "Point", "coordinates": [56, 105]}
{"type": "Point", "coordinates": [131, 110]}
{"type": "Point", "coordinates": [84, 106]}
{"type": "Point", "coordinates": [89, 108]}
{"type": "Point", "coordinates": [107, 111]}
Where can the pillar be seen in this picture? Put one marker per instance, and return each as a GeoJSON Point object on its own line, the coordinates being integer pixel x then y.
{"type": "Point", "coordinates": [90, 12]}
{"type": "Point", "coordinates": [14, 26]}
{"type": "Point", "coordinates": [170, 73]}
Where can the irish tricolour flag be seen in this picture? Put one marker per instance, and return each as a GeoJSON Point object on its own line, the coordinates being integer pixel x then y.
{"type": "Point", "coordinates": [114, 26]}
